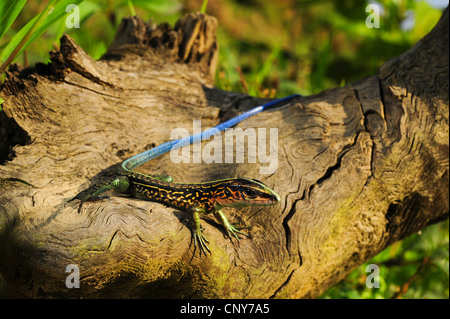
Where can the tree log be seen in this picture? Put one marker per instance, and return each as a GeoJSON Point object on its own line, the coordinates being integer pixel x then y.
{"type": "Point", "coordinates": [359, 167]}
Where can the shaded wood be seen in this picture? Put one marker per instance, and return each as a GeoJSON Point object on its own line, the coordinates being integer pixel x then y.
{"type": "Point", "coordinates": [359, 168]}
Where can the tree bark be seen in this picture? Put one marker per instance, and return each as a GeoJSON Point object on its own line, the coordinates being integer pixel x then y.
{"type": "Point", "coordinates": [359, 167]}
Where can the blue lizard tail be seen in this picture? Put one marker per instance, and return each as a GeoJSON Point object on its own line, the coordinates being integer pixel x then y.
{"type": "Point", "coordinates": [150, 154]}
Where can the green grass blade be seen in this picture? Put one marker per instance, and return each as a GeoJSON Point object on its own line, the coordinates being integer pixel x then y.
{"type": "Point", "coordinates": [59, 10]}
{"type": "Point", "coordinates": [131, 6]}
{"type": "Point", "coordinates": [264, 71]}
{"type": "Point", "coordinates": [9, 10]}
{"type": "Point", "coordinates": [268, 64]}
{"type": "Point", "coordinates": [28, 33]}
{"type": "Point", "coordinates": [87, 9]}
{"type": "Point", "coordinates": [204, 5]}
{"type": "Point", "coordinates": [159, 6]}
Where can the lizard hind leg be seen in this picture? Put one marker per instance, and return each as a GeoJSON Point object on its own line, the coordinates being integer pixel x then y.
{"type": "Point", "coordinates": [163, 177]}
{"type": "Point", "coordinates": [93, 193]}
{"type": "Point", "coordinates": [197, 232]}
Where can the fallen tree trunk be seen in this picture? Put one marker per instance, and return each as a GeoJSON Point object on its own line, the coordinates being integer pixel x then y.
{"type": "Point", "coordinates": [359, 168]}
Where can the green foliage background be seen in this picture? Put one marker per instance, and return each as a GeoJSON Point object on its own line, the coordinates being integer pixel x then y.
{"type": "Point", "coordinates": [276, 48]}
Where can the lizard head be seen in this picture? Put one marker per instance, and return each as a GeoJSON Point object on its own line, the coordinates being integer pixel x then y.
{"type": "Point", "coordinates": [241, 192]}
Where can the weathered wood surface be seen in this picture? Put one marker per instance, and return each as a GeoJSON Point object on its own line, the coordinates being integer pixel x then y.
{"type": "Point", "coordinates": [359, 168]}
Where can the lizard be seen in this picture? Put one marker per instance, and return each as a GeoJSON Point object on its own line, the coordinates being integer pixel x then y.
{"type": "Point", "coordinates": [197, 198]}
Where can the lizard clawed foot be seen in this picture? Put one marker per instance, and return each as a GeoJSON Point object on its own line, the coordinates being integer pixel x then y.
{"type": "Point", "coordinates": [200, 240]}
{"type": "Point", "coordinates": [233, 231]}
{"type": "Point", "coordinates": [87, 199]}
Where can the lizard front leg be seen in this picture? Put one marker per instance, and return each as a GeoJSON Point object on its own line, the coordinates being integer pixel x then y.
{"type": "Point", "coordinates": [230, 229]}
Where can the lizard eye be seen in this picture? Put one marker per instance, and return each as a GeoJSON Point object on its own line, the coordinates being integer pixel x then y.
{"type": "Point", "coordinates": [249, 192]}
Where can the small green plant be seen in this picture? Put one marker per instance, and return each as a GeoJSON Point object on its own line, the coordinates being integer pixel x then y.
{"type": "Point", "coordinates": [416, 267]}
{"type": "Point", "coordinates": [51, 12]}
{"type": "Point", "coordinates": [9, 10]}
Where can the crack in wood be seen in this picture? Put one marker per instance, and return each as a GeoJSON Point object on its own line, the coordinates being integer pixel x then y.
{"type": "Point", "coordinates": [284, 284]}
